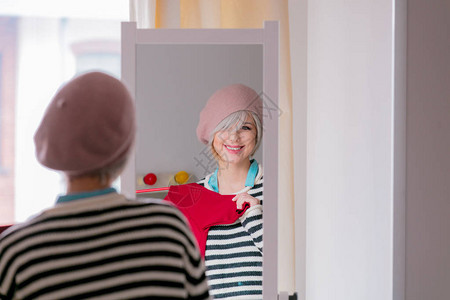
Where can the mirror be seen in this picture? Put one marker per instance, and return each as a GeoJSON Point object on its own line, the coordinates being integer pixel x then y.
{"type": "Point", "coordinates": [173, 84]}
{"type": "Point", "coordinates": [172, 73]}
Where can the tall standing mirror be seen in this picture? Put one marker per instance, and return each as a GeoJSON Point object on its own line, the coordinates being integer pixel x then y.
{"type": "Point", "coordinates": [171, 73]}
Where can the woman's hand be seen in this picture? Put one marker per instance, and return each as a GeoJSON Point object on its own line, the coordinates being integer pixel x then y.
{"type": "Point", "coordinates": [240, 199]}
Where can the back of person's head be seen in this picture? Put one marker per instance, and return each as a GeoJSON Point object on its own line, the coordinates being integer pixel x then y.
{"type": "Point", "coordinates": [89, 126]}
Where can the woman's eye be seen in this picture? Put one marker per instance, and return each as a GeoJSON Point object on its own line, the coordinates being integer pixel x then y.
{"type": "Point", "coordinates": [246, 128]}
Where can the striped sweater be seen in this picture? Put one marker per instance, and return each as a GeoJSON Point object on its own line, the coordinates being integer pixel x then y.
{"type": "Point", "coordinates": [103, 247]}
{"type": "Point", "coordinates": [233, 254]}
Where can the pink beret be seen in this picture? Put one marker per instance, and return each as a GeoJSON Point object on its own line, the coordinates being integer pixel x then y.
{"type": "Point", "coordinates": [224, 102]}
{"type": "Point", "coordinates": [89, 124]}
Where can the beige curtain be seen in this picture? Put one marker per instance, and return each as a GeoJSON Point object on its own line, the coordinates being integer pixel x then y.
{"type": "Point", "coordinates": [243, 14]}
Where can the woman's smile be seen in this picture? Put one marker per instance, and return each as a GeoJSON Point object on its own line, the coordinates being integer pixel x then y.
{"type": "Point", "coordinates": [233, 149]}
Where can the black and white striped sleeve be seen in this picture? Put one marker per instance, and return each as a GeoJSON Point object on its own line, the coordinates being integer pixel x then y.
{"type": "Point", "coordinates": [252, 221]}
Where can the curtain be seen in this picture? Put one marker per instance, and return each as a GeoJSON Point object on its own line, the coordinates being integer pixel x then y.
{"type": "Point", "coordinates": [243, 14]}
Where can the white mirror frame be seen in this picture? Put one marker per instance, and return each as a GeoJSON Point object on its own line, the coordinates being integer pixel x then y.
{"type": "Point", "coordinates": [268, 38]}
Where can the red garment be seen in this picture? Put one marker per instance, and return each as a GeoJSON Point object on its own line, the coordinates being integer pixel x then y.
{"type": "Point", "coordinates": [204, 208]}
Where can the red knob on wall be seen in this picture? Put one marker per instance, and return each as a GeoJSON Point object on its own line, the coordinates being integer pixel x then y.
{"type": "Point", "coordinates": [150, 179]}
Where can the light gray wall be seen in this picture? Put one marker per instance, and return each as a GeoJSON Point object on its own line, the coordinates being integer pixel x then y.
{"type": "Point", "coordinates": [428, 151]}
{"type": "Point", "coordinates": [349, 226]}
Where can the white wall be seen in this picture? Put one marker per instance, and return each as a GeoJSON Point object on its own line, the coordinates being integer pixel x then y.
{"type": "Point", "coordinates": [350, 150]}
{"type": "Point", "coordinates": [341, 79]}
{"type": "Point", "coordinates": [428, 146]}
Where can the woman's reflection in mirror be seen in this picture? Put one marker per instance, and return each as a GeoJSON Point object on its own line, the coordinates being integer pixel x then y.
{"type": "Point", "coordinates": [230, 123]}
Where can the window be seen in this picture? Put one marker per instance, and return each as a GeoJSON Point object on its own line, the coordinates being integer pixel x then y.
{"type": "Point", "coordinates": [8, 30]}
{"type": "Point", "coordinates": [37, 55]}
{"type": "Point", "coordinates": [98, 54]}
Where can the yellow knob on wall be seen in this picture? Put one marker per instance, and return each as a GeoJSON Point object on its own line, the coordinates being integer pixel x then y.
{"type": "Point", "coordinates": [181, 177]}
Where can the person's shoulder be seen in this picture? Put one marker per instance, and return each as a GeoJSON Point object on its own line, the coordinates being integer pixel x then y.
{"type": "Point", "coordinates": [8, 230]}
{"type": "Point", "coordinates": [14, 234]}
{"type": "Point", "coordinates": [165, 212]}
{"type": "Point", "coordinates": [155, 204]}
{"type": "Point", "coordinates": [160, 207]}
{"type": "Point", "coordinates": [148, 201]}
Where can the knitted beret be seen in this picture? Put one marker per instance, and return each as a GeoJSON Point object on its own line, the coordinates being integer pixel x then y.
{"type": "Point", "coordinates": [224, 102]}
{"type": "Point", "coordinates": [89, 124]}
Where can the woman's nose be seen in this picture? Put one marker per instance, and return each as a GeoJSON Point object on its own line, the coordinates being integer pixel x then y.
{"type": "Point", "coordinates": [233, 135]}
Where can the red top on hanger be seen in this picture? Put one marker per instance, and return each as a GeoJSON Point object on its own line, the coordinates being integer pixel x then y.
{"type": "Point", "coordinates": [204, 208]}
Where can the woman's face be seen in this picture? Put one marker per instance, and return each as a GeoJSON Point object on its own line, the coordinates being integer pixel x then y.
{"type": "Point", "coordinates": [235, 145]}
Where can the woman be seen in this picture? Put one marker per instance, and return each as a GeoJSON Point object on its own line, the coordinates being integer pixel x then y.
{"type": "Point", "coordinates": [230, 124]}
{"type": "Point", "coordinates": [94, 243]}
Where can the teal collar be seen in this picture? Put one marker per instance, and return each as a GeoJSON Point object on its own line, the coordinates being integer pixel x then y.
{"type": "Point", "coordinates": [252, 172]}
{"type": "Point", "coordinates": [77, 196]}
{"type": "Point", "coordinates": [213, 181]}
{"type": "Point", "coordinates": [250, 181]}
